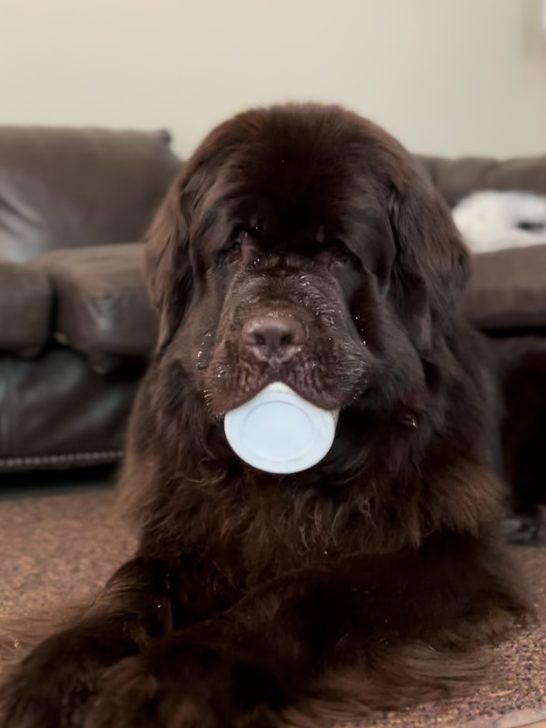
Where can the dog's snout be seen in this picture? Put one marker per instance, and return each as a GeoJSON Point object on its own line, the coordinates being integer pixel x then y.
{"type": "Point", "coordinates": [273, 337]}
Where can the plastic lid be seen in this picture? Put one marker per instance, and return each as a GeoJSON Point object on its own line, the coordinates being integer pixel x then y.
{"type": "Point", "coordinates": [280, 432]}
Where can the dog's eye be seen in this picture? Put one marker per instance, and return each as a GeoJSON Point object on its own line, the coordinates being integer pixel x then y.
{"type": "Point", "coordinates": [339, 253]}
{"type": "Point", "coordinates": [232, 250]}
{"type": "Point", "coordinates": [350, 259]}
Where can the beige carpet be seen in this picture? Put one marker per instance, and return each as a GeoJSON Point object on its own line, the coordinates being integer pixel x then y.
{"type": "Point", "coordinates": [60, 548]}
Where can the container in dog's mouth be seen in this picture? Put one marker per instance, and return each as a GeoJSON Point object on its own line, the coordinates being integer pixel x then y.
{"type": "Point", "coordinates": [280, 432]}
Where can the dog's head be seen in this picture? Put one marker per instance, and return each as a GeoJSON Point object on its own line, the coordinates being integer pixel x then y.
{"type": "Point", "coordinates": [301, 244]}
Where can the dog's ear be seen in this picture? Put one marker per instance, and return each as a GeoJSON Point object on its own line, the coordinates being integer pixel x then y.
{"type": "Point", "coordinates": [167, 263]}
{"type": "Point", "coordinates": [431, 267]}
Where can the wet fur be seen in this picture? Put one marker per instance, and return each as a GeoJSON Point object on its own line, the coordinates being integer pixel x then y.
{"type": "Point", "coordinates": [368, 581]}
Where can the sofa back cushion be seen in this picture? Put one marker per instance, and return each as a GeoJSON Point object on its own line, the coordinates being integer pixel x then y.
{"type": "Point", "coordinates": [457, 178]}
{"type": "Point", "coordinates": [78, 187]}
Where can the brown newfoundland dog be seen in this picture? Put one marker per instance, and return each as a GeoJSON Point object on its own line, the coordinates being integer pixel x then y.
{"type": "Point", "coordinates": [364, 582]}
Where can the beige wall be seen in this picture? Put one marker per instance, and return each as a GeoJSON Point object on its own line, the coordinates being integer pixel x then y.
{"type": "Point", "coordinates": [446, 76]}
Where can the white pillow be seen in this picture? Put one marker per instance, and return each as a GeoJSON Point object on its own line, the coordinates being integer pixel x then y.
{"type": "Point", "coordinates": [492, 220]}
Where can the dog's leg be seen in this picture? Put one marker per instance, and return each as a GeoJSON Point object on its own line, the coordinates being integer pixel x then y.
{"type": "Point", "coordinates": [400, 617]}
{"type": "Point", "coordinates": [51, 687]}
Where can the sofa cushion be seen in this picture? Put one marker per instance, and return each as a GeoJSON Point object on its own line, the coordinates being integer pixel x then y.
{"type": "Point", "coordinates": [56, 412]}
{"type": "Point", "coordinates": [76, 187]}
{"type": "Point", "coordinates": [508, 289]}
{"type": "Point", "coordinates": [102, 307]}
{"type": "Point", "coordinates": [457, 178]}
{"type": "Point", "coordinates": [25, 308]}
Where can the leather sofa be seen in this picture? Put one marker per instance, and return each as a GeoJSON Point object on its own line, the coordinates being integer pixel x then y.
{"type": "Point", "coordinates": [506, 299]}
{"type": "Point", "coordinates": [75, 323]}
{"type": "Point", "coordinates": [507, 293]}
{"type": "Point", "coordinates": [76, 326]}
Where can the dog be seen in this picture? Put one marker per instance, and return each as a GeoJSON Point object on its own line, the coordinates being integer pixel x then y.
{"type": "Point", "coordinates": [367, 581]}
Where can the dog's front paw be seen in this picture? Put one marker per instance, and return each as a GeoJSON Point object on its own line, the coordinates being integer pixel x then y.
{"type": "Point", "coordinates": [186, 686]}
{"type": "Point", "coordinates": [55, 684]}
{"type": "Point", "coordinates": [50, 688]}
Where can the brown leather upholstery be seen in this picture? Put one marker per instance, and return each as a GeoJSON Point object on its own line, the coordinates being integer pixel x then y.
{"type": "Point", "coordinates": [457, 178]}
{"type": "Point", "coordinates": [25, 308]}
{"type": "Point", "coordinates": [508, 289]}
{"type": "Point", "coordinates": [63, 188]}
{"type": "Point", "coordinates": [55, 411]}
{"type": "Point", "coordinates": [102, 306]}
{"type": "Point", "coordinates": [507, 298]}
{"type": "Point", "coordinates": [72, 295]}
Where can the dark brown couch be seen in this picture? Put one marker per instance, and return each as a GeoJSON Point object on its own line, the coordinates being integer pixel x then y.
{"type": "Point", "coordinates": [507, 299]}
{"type": "Point", "coordinates": [75, 325]}
{"type": "Point", "coordinates": [508, 288]}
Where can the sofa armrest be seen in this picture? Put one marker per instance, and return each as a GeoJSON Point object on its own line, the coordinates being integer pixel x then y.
{"type": "Point", "coordinates": [102, 307]}
{"type": "Point", "coordinates": [25, 308]}
{"type": "Point", "coordinates": [508, 289]}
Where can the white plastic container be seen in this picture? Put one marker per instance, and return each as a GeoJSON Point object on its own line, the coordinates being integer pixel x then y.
{"type": "Point", "coordinates": [280, 432]}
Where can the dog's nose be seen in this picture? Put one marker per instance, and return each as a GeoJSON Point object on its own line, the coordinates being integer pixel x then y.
{"type": "Point", "coordinates": [274, 337]}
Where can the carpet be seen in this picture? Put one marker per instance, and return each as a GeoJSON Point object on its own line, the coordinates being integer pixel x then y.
{"type": "Point", "coordinates": [61, 548]}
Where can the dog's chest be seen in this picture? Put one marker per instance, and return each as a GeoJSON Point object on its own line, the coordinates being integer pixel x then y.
{"type": "Point", "coordinates": [253, 535]}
